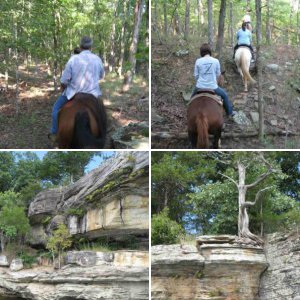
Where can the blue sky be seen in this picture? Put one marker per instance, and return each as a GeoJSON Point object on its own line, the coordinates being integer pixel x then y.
{"type": "Point", "coordinates": [95, 162]}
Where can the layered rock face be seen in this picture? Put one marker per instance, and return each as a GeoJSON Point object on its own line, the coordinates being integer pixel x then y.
{"type": "Point", "coordinates": [214, 269]}
{"type": "Point", "coordinates": [109, 201]}
{"type": "Point", "coordinates": [281, 281]}
{"type": "Point", "coordinates": [88, 275]}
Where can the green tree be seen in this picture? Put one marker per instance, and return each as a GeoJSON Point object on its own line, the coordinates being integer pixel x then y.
{"type": "Point", "coordinates": [65, 167]}
{"type": "Point", "coordinates": [13, 224]}
{"type": "Point", "coordinates": [6, 170]}
{"type": "Point", "coordinates": [60, 241]}
{"type": "Point", "coordinates": [164, 230]}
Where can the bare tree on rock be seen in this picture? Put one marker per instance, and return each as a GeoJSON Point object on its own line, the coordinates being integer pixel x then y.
{"type": "Point", "coordinates": [243, 219]}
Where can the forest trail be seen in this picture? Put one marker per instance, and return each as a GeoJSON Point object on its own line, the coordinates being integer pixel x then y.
{"type": "Point", "coordinates": [28, 129]}
{"type": "Point", "coordinates": [172, 83]}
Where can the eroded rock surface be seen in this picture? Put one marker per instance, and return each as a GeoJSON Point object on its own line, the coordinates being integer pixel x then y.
{"type": "Point", "coordinates": [219, 269]}
{"type": "Point", "coordinates": [108, 279]}
{"type": "Point", "coordinates": [109, 201]}
{"type": "Point", "coordinates": [281, 281]}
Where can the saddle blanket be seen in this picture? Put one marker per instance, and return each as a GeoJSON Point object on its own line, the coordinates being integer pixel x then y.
{"type": "Point", "coordinates": [216, 98]}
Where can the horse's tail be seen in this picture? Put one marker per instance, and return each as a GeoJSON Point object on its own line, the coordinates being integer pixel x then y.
{"type": "Point", "coordinates": [83, 137]}
{"type": "Point", "coordinates": [245, 69]}
{"type": "Point", "coordinates": [202, 130]}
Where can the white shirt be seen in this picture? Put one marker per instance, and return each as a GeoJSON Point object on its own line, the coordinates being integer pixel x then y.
{"type": "Point", "coordinates": [207, 70]}
{"type": "Point", "coordinates": [247, 18]}
{"type": "Point", "coordinates": [82, 74]}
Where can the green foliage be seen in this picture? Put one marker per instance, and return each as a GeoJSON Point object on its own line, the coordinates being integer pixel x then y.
{"type": "Point", "coordinates": [206, 201]}
{"type": "Point", "coordinates": [79, 212]}
{"type": "Point", "coordinates": [14, 220]}
{"type": "Point", "coordinates": [164, 230]}
{"type": "Point", "coordinates": [28, 260]}
{"type": "Point", "coordinates": [59, 241]}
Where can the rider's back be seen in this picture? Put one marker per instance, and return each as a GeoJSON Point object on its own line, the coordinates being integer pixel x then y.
{"type": "Point", "coordinates": [83, 72]}
{"type": "Point", "coordinates": [244, 37]}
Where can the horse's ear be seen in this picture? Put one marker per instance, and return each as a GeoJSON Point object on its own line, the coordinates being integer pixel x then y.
{"type": "Point", "coordinates": [223, 72]}
{"type": "Point", "coordinates": [221, 81]}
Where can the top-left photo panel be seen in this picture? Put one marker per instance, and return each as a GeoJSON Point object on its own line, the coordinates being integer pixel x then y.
{"type": "Point", "coordinates": [74, 74]}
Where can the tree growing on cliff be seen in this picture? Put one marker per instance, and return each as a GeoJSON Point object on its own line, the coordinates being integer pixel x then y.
{"type": "Point", "coordinates": [60, 241]}
{"type": "Point", "coordinates": [241, 164]}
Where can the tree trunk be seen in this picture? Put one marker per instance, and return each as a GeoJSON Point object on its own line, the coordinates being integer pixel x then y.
{"type": "Point", "coordinates": [187, 20]}
{"type": "Point", "coordinates": [243, 222]}
{"type": "Point", "coordinates": [210, 23]}
{"type": "Point", "coordinates": [221, 28]}
{"type": "Point", "coordinates": [133, 48]}
{"type": "Point", "coordinates": [165, 18]}
{"type": "Point", "coordinates": [112, 40]}
{"type": "Point", "coordinates": [231, 24]}
{"type": "Point", "coordinates": [177, 23]}
{"type": "Point", "coordinates": [2, 241]}
{"type": "Point", "coordinates": [268, 30]}
{"type": "Point", "coordinates": [15, 29]}
{"type": "Point", "coordinates": [259, 70]}
{"type": "Point", "coordinates": [122, 39]}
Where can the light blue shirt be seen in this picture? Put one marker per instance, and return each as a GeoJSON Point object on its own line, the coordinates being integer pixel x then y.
{"type": "Point", "coordinates": [82, 74]}
{"type": "Point", "coordinates": [206, 72]}
{"type": "Point", "coordinates": [244, 37]}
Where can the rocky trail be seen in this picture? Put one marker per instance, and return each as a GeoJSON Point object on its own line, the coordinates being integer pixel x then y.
{"type": "Point", "coordinates": [172, 83]}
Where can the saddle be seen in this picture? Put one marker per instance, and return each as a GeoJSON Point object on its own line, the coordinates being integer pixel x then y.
{"type": "Point", "coordinates": [207, 93]}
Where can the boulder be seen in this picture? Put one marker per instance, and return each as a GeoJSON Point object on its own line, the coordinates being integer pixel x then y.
{"type": "Point", "coordinates": [16, 264]}
{"type": "Point", "coordinates": [132, 136]}
{"type": "Point", "coordinates": [272, 68]}
{"type": "Point", "coordinates": [4, 261]}
{"type": "Point", "coordinates": [254, 116]}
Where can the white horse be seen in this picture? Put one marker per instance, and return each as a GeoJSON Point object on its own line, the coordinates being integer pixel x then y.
{"type": "Point", "coordinates": [242, 59]}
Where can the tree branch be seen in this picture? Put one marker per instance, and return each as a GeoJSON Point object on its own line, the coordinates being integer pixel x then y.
{"type": "Point", "coordinates": [229, 179]}
{"type": "Point", "coordinates": [259, 179]}
{"type": "Point", "coordinates": [248, 204]}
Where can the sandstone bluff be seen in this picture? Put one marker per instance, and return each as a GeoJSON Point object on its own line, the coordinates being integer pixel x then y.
{"type": "Point", "coordinates": [224, 268]}
{"type": "Point", "coordinates": [110, 201]}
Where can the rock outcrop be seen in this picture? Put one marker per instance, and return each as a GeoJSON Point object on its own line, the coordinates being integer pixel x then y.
{"type": "Point", "coordinates": [281, 281]}
{"type": "Point", "coordinates": [214, 269]}
{"type": "Point", "coordinates": [112, 200]}
{"type": "Point", "coordinates": [91, 276]}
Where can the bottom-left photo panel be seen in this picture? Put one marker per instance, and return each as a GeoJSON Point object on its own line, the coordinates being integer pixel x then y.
{"type": "Point", "coordinates": [74, 225]}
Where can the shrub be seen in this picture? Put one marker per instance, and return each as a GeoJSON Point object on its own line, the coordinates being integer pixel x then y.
{"type": "Point", "coordinates": [165, 230]}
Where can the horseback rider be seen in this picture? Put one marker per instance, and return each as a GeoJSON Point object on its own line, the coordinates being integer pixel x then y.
{"type": "Point", "coordinates": [247, 20]}
{"type": "Point", "coordinates": [81, 75]}
{"type": "Point", "coordinates": [207, 72]}
{"type": "Point", "coordinates": [244, 38]}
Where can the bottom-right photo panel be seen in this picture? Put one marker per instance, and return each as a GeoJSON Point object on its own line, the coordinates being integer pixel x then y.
{"type": "Point", "coordinates": [225, 225]}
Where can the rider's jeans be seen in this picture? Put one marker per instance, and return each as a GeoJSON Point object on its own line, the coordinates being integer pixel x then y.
{"type": "Point", "coordinates": [220, 92]}
{"type": "Point", "coordinates": [60, 102]}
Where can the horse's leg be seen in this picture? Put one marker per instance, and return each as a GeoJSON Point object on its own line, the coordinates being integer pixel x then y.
{"type": "Point", "coordinates": [217, 139]}
{"type": "Point", "coordinates": [193, 138]}
{"type": "Point", "coordinates": [246, 84]}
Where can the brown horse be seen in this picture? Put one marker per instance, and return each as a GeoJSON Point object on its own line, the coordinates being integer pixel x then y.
{"type": "Point", "coordinates": [82, 123]}
{"type": "Point", "coordinates": [205, 116]}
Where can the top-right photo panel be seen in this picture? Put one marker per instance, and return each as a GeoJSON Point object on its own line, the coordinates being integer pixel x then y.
{"type": "Point", "coordinates": [225, 74]}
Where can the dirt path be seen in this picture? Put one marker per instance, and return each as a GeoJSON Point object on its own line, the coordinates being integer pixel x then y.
{"type": "Point", "coordinates": [25, 124]}
{"type": "Point", "coordinates": [172, 81]}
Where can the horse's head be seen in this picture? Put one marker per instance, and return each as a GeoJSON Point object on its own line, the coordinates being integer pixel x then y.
{"type": "Point", "coordinates": [221, 79]}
